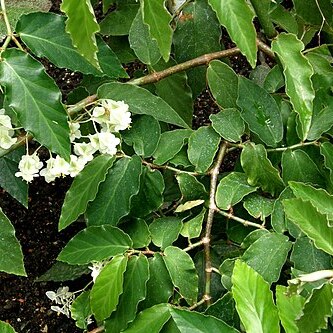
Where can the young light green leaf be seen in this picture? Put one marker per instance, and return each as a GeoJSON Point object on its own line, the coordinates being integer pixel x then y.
{"type": "Point", "coordinates": [232, 189]}
{"type": "Point", "coordinates": [237, 17]}
{"type": "Point", "coordinates": [11, 257]}
{"type": "Point", "coordinates": [84, 189]}
{"type": "Point", "coordinates": [192, 228]}
{"type": "Point", "coordinates": [267, 255]}
{"type": "Point", "coordinates": [157, 17]}
{"type": "Point", "coordinates": [229, 124]}
{"type": "Point", "coordinates": [254, 300]}
{"type": "Point", "coordinates": [134, 291]}
{"type": "Point", "coordinates": [40, 112]}
{"type": "Point", "coordinates": [81, 310]}
{"type": "Point", "coordinates": [190, 187]}
{"type": "Point", "coordinates": [188, 205]}
{"type": "Point", "coordinates": [260, 111]}
{"type": "Point", "coordinates": [202, 147]}
{"type": "Point", "coordinates": [95, 243]}
{"type": "Point", "coordinates": [183, 273]}
{"type": "Point", "coordinates": [326, 150]}
{"type": "Point", "coordinates": [104, 295]}
{"type": "Point", "coordinates": [6, 328]}
{"type": "Point", "coordinates": [113, 199]}
{"type": "Point", "coordinates": [82, 26]}
{"type": "Point", "coordinates": [258, 206]}
{"type": "Point", "coordinates": [141, 101]}
{"type": "Point", "coordinates": [311, 222]}
{"type": "Point", "coordinates": [297, 72]}
{"type": "Point", "coordinates": [259, 169]}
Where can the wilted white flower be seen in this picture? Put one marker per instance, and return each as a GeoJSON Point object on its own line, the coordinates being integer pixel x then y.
{"type": "Point", "coordinates": [97, 267]}
{"type": "Point", "coordinates": [62, 297]}
{"type": "Point", "coordinates": [75, 132]}
{"type": "Point", "coordinates": [6, 140]}
{"type": "Point", "coordinates": [105, 142]}
{"type": "Point", "coordinates": [29, 167]}
{"type": "Point", "coordinates": [76, 165]}
{"type": "Point", "coordinates": [84, 150]}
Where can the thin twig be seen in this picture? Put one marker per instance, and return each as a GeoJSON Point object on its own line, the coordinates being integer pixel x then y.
{"type": "Point", "coordinates": [265, 48]}
{"type": "Point", "coordinates": [167, 167]}
{"type": "Point", "coordinates": [246, 223]}
{"type": "Point", "coordinates": [194, 245]}
{"type": "Point", "coordinates": [202, 301]}
{"type": "Point", "coordinates": [297, 145]}
{"type": "Point", "coordinates": [98, 330]}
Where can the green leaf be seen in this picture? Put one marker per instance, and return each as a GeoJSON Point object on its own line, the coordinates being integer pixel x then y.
{"type": "Point", "coordinates": [150, 320]}
{"type": "Point", "coordinates": [226, 269]}
{"type": "Point", "coordinates": [326, 150]}
{"type": "Point", "coordinates": [321, 123]}
{"type": "Point", "coordinates": [134, 291]}
{"type": "Point", "coordinates": [95, 243]}
{"type": "Point", "coordinates": [223, 84]}
{"type": "Point", "coordinates": [289, 307]}
{"type": "Point", "coordinates": [138, 231]}
{"type": "Point", "coordinates": [188, 205]}
{"type": "Point", "coordinates": [37, 32]}
{"type": "Point", "coordinates": [229, 124]}
{"type": "Point", "coordinates": [267, 255]}
{"type": "Point", "coordinates": [259, 169]}
{"type": "Point", "coordinates": [260, 111]}
{"type": "Point", "coordinates": [81, 310]}
{"type": "Point", "coordinates": [165, 230]}
{"type": "Point", "coordinates": [284, 18]}
{"type": "Point", "coordinates": [144, 47]}
{"type": "Point", "coordinates": [192, 228]}
{"type": "Point", "coordinates": [6, 328]}
{"type": "Point", "coordinates": [274, 79]}
{"type": "Point", "coordinates": [311, 222]}
{"type": "Point", "coordinates": [104, 295]}
{"type": "Point", "coordinates": [317, 309]}
{"type": "Point", "coordinates": [190, 187]}
{"type": "Point", "coordinates": [202, 147]}
{"type": "Point", "coordinates": [40, 112]}
{"type": "Point", "coordinates": [237, 17]}
{"type": "Point", "coordinates": [254, 300]}
{"type": "Point", "coordinates": [11, 257]}
{"type": "Point", "coordinates": [195, 322]}
{"type": "Point", "coordinates": [82, 26]}
{"type": "Point", "coordinates": [144, 135]}
{"type": "Point", "coordinates": [198, 32]}
{"type": "Point", "coordinates": [141, 101]}
{"type": "Point", "coordinates": [298, 166]}
{"type": "Point", "coordinates": [84, 189]}
{"type": "Point", "coordinates": [157, 17]}
{"type": "Point", "coordinates": [113, 199]}
{"type": "Point", "coordinates": [170, 144]}
{"type": "Point", "coordinates": [258, 206]}
{"type": "Point", "coordinates": [297, 72]}
{"type": "Point", "coordinates": [183, 273]}
{"type": "Point", "coordinates": [232, 189]}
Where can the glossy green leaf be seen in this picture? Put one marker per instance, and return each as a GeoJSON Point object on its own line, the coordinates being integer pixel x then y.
{"type": "Point", "coordinates": [260, 111]}
{"type": "Point", "coordinates": [226, 269]}
{"type": "Point", "coordinates": [311, 222]}
{"type": "Point", "coordinates": [190, 187]}
{"type": "Point", "coordinates": [181, 159]}
{"type": "Point", "coordinates": [145, 48]}
{"type": "Point", "coordinates": [188, 205]}
{"type": "Point", "coordinates": [317, 310]}
{"type": "Point", "coordinates": [321, 123]}
{"type": "Point", "coordinates": [134, 291]}
{"type": "Point", "coordinates": [84, 189]}
{"type": "Point", "coordinates": [326, 150]}
{"type": "Point", "coordinates": [254, 300]}
{"type": "Point", "coordinates": [237, 17]}
{"type": "Point", "coordinates": [252, 237]}
{"type": "Point", "coordinates": [150, 320]}
{"type": "Point", "coordinates": [40, 112]}
{"type": "Point", "coordinates": [37, 32]}
{"type": "Point", "coordinates": [298, 166]}
{"type": "Point", "coordinates": [258, 206]}
{"type": "Point", "coordinates": [195, 322]}
{"type": "Point", "coordinates": [81, 310]}
{"type": "Point", "coordinates": [192, 228]}
{"type": "Point", "coordinates": [259, 169]}
{"type": "Point", "coordinates": [284, 18]}
{"type": "Point", "coordinates": [141, 101]}
{"type": "Point", "coordinates": [229, 124]}
{"type": "Point", "coordinates": [198, 32]}
{"type": "Point", "coordinates": [232, 189]}
{"type": "Point", "coordinates": [95, 243]}
{"type": "Point", "coordinates": [289, 307]}
{"type": "Point", "coordinates": [267, 255]}
{"type": "Point", "coordinates": [157, 17]}
{"type": "Point", "coordinates": [138, 231]}
{"type": "Point", "coordinates": [6, 328]}
{"type": "Point", "coordinates": [223, 84]}
{"type": "Point", "coordinates": [202, 147]}
{"type": "Point", "coordinates": [274, 79]}
{"type": "Point", "coordinates": [11, 257]}
{"type": "Point", "coordinates": [165, 230]}
{"type": "Point", "coordinates": [183, 273]}
{"type": "Point", "coordinates": [113, 199]}
{"type": "Point", "coordinates": [144, 135]}
{"type": "Point", "coordinates": [170, 144]}
{"type": "Point", "coordinates": [297, 72]}
{"type": "Point", "coordinates": [82, 26]}
{"type": "Point", "coordinates": [104, 295]}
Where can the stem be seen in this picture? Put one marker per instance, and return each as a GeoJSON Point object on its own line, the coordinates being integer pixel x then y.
{"type": "Point", "coordinates": [97, 330]}
{"type": "Point", "coordinates": [5, 17]}
{"type": "Point", "coordinates": [246, 223]}
{"type": "Point", "coordinates": [297, 145]}
{"type": "Point", "coordinates": [194, 245]}
{"type": "Point", "coordinates": [167, 167]}
{"type": "Point", "coordinates": [265, 48]}
{"type": "Point", "coordinates": [81, 105]}
{"type": "Point", "coordinates": [202, 301]}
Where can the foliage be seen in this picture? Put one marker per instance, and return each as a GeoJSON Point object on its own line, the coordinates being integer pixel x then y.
{"type": "Point", "coordinates": [175, 238]}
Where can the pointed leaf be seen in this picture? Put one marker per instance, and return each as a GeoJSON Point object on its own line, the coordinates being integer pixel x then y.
{"type": "Point", "coordinates": [254, 300]}
{"type": "Point", "coordinates": [81, 310]}
{"type": "Point", "coordinates": [104, 295]}
{"type": "Point", "coordinates": [237, 17]}
{"type": "Point", "coordinates": [190, 187]}
{"type": "Point", "coordinates": [141, 101]}
{"type": "Point", "coordinates": [258, 206]}
{"type": "Point", "coordinates": [138, 231]}
{"type": "Point", "coordinates": [40, 112]}
{"type": "Point", "coordinates": [311, 222]}
{"type": "Point", "coordinates": [95, 244]}
{"type": "Point", "coordinates": [192, 228]}
{"type": "Point", "coordinates": [297, 72]}
{"type": "Point", "coordinates": [84, 189]}
{"type": "Point", "coordinates": [113, 199]}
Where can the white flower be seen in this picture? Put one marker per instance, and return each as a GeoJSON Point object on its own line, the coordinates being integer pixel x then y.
{"type": "Point", "coordinates": [76, 165]}
{"type": "Point", "coordinates": [62, 297]}
{"type": "Point", "coordinates": [46, 172]}
{"type": "Point", "coordinates": [29, 167]}
{"type": "Point", "coordinates": [97, 267]}
{"type": "Point", "coordinates": [60, 167]}
{"type": "Point", "coordinates": [84, 150]}
{"type": "Point", "coordinates": [5, 120]}
{"type": "Point", "coordinates": [105, 142]}
{"type": "Point", "coordinates": [75, 132]}
{"type": "Point", "coordinates": [6, 140]}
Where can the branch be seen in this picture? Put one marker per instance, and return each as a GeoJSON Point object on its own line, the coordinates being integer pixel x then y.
{"type": "Point", "coordinates": [167, 167]}
{"type": "Point", "coordinates": [97, 330]}
{"type": "Point", "coordinates": [246, 223]}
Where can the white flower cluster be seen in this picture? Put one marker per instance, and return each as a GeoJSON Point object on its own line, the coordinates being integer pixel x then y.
{"type": "Point", "coordinates": [64, 298]}
{"type": "Point", "coordinates": [97, 267]}
{"type": "Point", "coordinates": [6, 131]}
{"type": "Point", "coordinates": [111, 116]}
